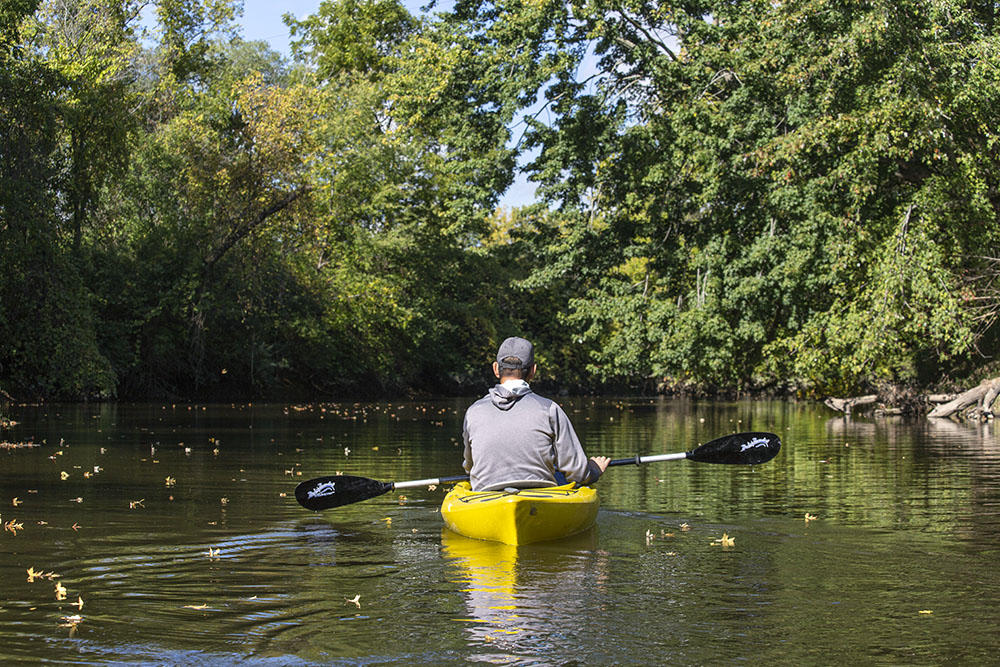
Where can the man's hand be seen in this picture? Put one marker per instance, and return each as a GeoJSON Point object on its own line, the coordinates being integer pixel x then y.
{"type": "Point", "coordinates": [601, 461]}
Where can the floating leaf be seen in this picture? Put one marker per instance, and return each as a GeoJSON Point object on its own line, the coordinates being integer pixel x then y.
{"type": "Point", "coordinates": [60, 591]}
{"type": "Point", "coordinates": [926, 611]}
{"type": "Point", "coordinates": [200, 606]}
{"type": "Point", "coordinates": [170, 482]}
{"type": "Point", "coordinates": [132, 504]}
{"type": "Point", "coordinates": [70, 621]}
{"type": "Point", "coordinates": [356, 600]}
{"type": "Point", "coordinates": [64, 475]}
{"type": "Point", "coordinates": [725, 540]}
{"type": "Point", "coordinates": [16, 502]}
{"type": "Point", "coordinates": [810, 517]}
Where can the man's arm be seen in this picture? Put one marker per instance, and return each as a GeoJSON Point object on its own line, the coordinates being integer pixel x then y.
{"type": "Point", "coordinates": [570, 459]}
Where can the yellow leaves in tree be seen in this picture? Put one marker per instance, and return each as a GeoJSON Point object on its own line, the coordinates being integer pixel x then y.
{"type": "Point", "coordinates": [280, 121]}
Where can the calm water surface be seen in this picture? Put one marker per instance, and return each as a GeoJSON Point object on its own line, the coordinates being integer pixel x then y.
{"type": "Point", "coordinates": [176, 528]}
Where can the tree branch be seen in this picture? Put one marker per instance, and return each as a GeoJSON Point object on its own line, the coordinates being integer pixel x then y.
{"type": "Point", "coordinates": [242, 231]}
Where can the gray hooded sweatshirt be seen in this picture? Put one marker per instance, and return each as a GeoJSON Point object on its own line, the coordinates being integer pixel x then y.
{"type": "Point", "coordinates": [516, 438]}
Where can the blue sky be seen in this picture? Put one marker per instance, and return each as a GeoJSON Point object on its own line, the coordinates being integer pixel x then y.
{"type": "Point", "coordinates": [262, 21]}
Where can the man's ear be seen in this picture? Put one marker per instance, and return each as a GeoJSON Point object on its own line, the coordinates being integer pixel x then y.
{"type": "Point", "coordinates": [531, 375]}
{"type": "Point", "coordinates": [496, 369]}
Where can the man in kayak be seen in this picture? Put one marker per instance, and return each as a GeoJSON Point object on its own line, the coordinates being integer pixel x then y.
{"type": "Point", "coordinates": [516, 438]}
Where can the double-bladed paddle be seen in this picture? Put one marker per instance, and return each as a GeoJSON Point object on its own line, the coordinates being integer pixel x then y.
{"type": "Point", "coordinates": [323, 493]}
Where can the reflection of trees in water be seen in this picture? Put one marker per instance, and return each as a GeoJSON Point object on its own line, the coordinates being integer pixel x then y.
{"type": "Point", "coordinates": [520, 599]}
{"type": "Point", "coordinates": [933, 474]}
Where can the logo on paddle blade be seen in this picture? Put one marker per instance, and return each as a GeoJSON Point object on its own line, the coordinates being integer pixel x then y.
{"type": "Point", "coordinates": [324, 489]}
{"type": "Point", "coordinates": [756, 442]}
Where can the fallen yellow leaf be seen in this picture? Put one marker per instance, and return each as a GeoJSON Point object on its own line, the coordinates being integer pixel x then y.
{"type": "Point", "coordinates": [725, 540]}
{"type": "Point", "coordinates": [60, 591]}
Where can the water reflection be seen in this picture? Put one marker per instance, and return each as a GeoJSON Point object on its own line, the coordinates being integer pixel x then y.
{"type": "Point", "coordinates": [516, 597]}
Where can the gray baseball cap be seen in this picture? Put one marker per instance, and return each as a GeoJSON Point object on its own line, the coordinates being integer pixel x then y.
{"type": "Point", "coordinates": [519, 349]}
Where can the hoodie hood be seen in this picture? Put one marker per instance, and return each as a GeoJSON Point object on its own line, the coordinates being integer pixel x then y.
{"type": "Point", "coordinates": [505, 396]}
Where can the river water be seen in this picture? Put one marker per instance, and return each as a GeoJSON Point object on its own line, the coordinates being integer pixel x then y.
{"type": "Point", "coordinates": [174, 534]}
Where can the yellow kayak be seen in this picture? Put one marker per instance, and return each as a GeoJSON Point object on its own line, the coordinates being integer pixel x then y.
{"type": "Point", "coordinates": [520, 516]}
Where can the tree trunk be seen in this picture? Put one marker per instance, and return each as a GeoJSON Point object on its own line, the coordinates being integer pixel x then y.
{"type": "Point", "coordinates": [984, 395]}
{"type": "Point", "coordinates": [845, 405]}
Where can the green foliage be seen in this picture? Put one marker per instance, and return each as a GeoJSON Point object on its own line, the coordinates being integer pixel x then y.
{"type": "Point", "coordinates": [811, 186]}
{"type": "Point", "coordinates": [798, 195]}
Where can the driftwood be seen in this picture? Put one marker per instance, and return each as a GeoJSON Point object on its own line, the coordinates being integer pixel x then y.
{"type": "Point", "coordinates": [976, 403]}
{"type": "Point", "coordinates": [981, 396]}
{"type": "Point", "coordinates": [845, 405]}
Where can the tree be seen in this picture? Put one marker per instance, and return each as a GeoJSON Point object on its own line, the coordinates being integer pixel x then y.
{"type": "Point", "coordinates": [783, 192]}
{"type": "Point", "coordinates": [46, 323]}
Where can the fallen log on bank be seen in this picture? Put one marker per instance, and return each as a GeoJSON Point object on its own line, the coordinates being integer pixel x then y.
{"type": "Point", "coordinates": [976, 403]}
{"type": "Point", "coordinates": [982, 397]}
{"type": "Point", "coordinates": [845, 405]}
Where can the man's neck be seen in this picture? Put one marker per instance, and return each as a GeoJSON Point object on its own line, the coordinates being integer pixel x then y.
{"type": "Point", "coordinates": [510, 383]}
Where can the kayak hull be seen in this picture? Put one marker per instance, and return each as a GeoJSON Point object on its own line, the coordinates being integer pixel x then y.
{"type": "Point", "coordinates": [520, 516]}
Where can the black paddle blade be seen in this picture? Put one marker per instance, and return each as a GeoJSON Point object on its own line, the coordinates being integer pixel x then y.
{"type": "Point", "coordinates": [323, 493]}
{"type": "Point", "coordinates": [738, 448]}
